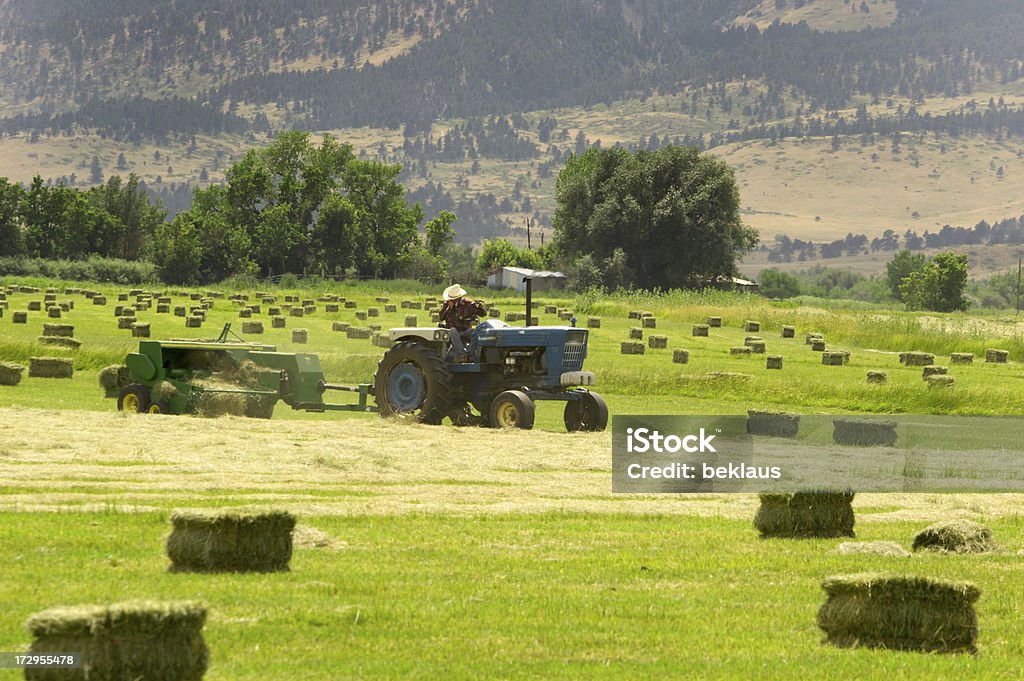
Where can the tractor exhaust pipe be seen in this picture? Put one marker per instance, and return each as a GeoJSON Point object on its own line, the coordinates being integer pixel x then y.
{"type": "Point", "coordinates": [529, 299]}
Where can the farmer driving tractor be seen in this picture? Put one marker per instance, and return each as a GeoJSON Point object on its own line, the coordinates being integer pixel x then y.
{"type": "Point", "coordinates": [459, 313]}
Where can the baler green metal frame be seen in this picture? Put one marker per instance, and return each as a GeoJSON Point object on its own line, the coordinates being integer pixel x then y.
{"type": "Point", "coordinates": [294, 378]}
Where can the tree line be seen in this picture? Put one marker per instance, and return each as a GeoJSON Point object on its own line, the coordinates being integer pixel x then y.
{"type": "Point", "coordinates": [1006, 231]}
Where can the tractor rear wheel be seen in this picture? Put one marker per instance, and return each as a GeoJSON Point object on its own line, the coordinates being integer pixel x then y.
{"type": "Point", "coordinates": [589, 413]}
{"type": "Point", "coordinates": [412, 380]}
{"type": "Point", "coordinates": [134, 397]}
{"type": "Point", "coordinates": [512, 409]}
{"type": "Point", "coordinates": [158, 407]}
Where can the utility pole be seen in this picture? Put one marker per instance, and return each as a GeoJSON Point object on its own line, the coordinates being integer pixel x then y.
{"type": "Point", "coordinates": [528, 246]}
{"type": "Point", "coordinates": [1019, 261]}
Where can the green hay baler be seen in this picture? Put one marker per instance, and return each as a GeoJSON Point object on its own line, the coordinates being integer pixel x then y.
{"type": "Point", "coordinates": [178, 377]}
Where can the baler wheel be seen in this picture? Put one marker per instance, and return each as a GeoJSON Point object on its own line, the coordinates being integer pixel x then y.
{"type": "Point", "coordinates": [158, 407]}
{"type": "Point", "coordinates": [412, 380]}
{"type": "Point", "coordinates": [134, 397]}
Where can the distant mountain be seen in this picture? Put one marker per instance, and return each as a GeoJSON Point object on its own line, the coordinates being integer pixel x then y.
{"type": "Point", "coordinates": [394, 63]}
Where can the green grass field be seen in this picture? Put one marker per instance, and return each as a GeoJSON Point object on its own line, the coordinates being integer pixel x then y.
{"type": "Point", "coordinates": [471, 553]}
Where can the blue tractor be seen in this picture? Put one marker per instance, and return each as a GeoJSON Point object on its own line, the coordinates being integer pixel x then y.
{"type": "Point", "coordinates": [510, 368]}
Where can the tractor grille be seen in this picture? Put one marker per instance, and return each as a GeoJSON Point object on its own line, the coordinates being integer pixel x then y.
{"type": "Point", "coordinates": [572, 356]}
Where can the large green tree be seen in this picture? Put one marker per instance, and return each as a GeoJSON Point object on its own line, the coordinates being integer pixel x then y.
{"type": "Point", "coordinates": [674, 213]}
{"type": "Point", "coordinates": [902, 265]}
{"type": "Point", "coordinates": [939, 285]}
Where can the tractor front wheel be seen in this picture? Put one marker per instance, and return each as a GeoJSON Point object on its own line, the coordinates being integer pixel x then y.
{"type": "Point", "coordinates": [512, 409]}
{"type": "Point", "coordinates": [588, 413]}
{"type": "Point", "coordinates": [412, 380]}
{"type": "Point", "coordinates": [134, 397]}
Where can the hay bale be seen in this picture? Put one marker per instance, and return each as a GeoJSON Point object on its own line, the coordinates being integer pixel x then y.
{"type": "Point", "coordinates": [297, 312]}
{"type": "Point", "coordinates": [635, 314]}
{"type": "Point", "coordinates": [253, 327]}
{"type": "Point", "coordinates": [917, 359]}
{"type": "Point", "coordinates": [361, 315]}
{"type": "Point", "coordinates": [715, 322]}
{"type": "Point", "coordinates": [231, 542]}
{"type": "Point", "coordinates": [113, 378]}
{"type": "Point", "coordinates": [878, 377]}
{"type": "Point", "coordinates": [53, 312]}
{"type": "Point", "coordinates": [129, 640]}
{"type": "Point", "coordinates": [773, 362]}
{"type": "Point", "coordinates": [309, 309]}
{"type": "Point", "coordinates": [357, 333]}
{"type": "Point", "coordinates": [756, 347]}
{"type": "Point", "coordinates": [593, 322]}
{"type": "Point", "coordinates": [751, 326]}
{"type": "Point", "coordinates": [277, 322]}
{"type": "Point", "coordinates": [657, 342]}
{"type": "Point", "coordinates": [788, 331]}
{"type": "Point", "coordinates": [631, 348]}
{"type": "Point", "coordinates": [66, 330]}
{"type": "Point", "coordinates": [373, 312]}
{"type": "Point", "coordinates": [568, 316]}
{"type": "Point", "coordinates": [811, 337]}
{"type": "Point", "coordinates": [60, 341]}
{"type": "Point", "coordinates": [193, 322]}
{"type": "Point", "coordinates": [300, 336]}
{"type": "Point", "coordinates": [140, 330]}
{"type": "Point", "coordinates": [125, 322]}
{"type": "Point", "coordinates": [961, 358]}
{"type": "Point", "coordinates": [245, 313]}
{"type": "Point", "coordinates": [833, 359]}
{"type": "Point", "coordinates": [179, 311]}
{"type": "Point", "coordinates": [748, 339]}
{"type": "Point", "coordinates": [773, 424]}
{"type": "Point", "coordinates": [818, 345]}
{"type": "Point", "coordinates": [933, 370]}
{"type": "Point", "coordinates": [550, 309]}
{"type": "Point", "coordinates": [636, 333]}
{"type": "Point", "coordinates": [864, 433]}
{"type": "Point", "coordinates": [872, 548]}
{"type": "Point", "coordinates": [805, 515]}
{"type": "Point", "coordinates": [216, 404]}
{"type": "Point", "coordinates": [494, 312]}
{"type": "Point", "coordinates": [274, 311]}
{"type": "Point", "coordinates": [649, 323]}
{"type": "Point", "coordinates": [99, 300]}
{"type": "Point", "coordinates": [680, 356]}
{"type": "Point", "coordinates": [411, 320]}
{"type": "Point", "coordinates": [10, 373]}
{"type": "Point", "coordinates": [35, 306]}
{"type": "Point", "coordinates": [994, 356]}
{"type": "Point", "coordinates": [381, 340]}
{"type": "Point", "coordinates": [744, 350]}
{"type": "Point", "coordinates": [954, 536]}
{"type": "Point", "coordinates": [940, 381]}
{"type": "Point", "coordinates": [413, 305]}
{"type": "Point", "coordinates": [332, 307]}
{"type": "Point", "coordinates": [163, 308]}
{"type": "Point", "coordinates": [375, 327]}
{"type": "Point", "coordinates": [899, 613]}
{"type": "Point", "coordinates": [19, 317]}
{"type": "Point", "coordinates": [50, 367]}
{"type": "Point", "coordinates": [340, 326]}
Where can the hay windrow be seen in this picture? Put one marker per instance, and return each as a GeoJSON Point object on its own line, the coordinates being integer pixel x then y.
{"type": "Point", "coordinates": [955, 536]}
{"type": "Point", "coordinates": [131, 640]}
{"type": "Point", "coordinates": [872, 548]}
{"type": "Point", "coordinates": [804, 515]}
{"type": "Point", "coordinates": [900, 613]}
{"type": "Point", "coordinates": [231, 542]}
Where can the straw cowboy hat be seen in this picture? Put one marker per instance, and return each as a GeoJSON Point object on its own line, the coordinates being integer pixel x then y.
{"type": "Point", "coordinates": [454, 292]}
